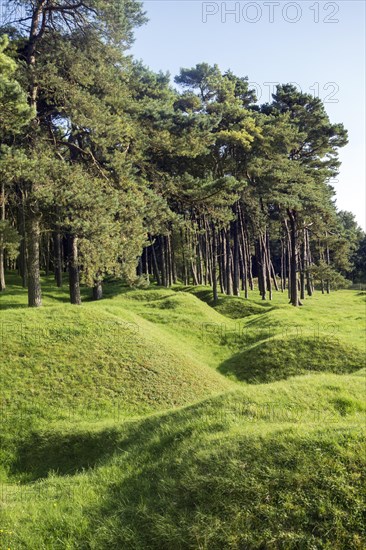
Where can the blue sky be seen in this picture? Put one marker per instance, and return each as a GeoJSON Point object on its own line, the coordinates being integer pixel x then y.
{"type": "Point", "coordinates": [318, 45]}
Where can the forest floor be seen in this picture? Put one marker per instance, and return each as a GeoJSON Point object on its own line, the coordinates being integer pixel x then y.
{"type": "Point", "coordinates": [155, 420]}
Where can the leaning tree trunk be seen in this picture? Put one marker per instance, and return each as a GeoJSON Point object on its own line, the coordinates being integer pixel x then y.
{"type": "Point", "coordinates": [155, 263]}
{"type": "Point", "coordinates": [267, 261]}
{"type": "Point", "coordinates": [32, 238]}
{"type": "Point", "coordinates": [261, 267]}
{"type": "Point", "coordinates": [74, 281]}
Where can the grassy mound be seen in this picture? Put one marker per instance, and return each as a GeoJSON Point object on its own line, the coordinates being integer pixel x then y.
{"type": "Point", "coordinates": [130, 423]}
{"type": "Point", "coordinates": [275, 466]}
{"type": "Point", "coordinates": [72, 355]}
{"type": "Point", "coordinates": [230, 306]}
{"type": "Point", "coordinates": [280, 358]}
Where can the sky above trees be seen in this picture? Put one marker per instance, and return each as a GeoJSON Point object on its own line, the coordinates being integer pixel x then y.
{"type": "Point", "coordinates": [326, 58]}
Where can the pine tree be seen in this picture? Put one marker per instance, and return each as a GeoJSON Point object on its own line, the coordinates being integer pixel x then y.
{"type": "Point", "coordinates": [15, 114]}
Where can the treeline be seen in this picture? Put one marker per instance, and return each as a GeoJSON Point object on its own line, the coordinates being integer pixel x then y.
{"type": "Point", "coordinates": [108, 170]}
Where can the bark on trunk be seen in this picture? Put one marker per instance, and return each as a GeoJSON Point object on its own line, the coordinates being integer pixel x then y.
{"type": "Point", "coordinates": [98, 290]}
{"type": "Point", "coordinates": [57, 258]}
{"type": "Point", "coordinates": [229, 281]}
{"type": "Point", "coordinates": [261, 269]}
{"type": "Point", "coordinates": [222, 259]}
{"type": "Point", "coordinates": [236, 287]}
{"type": "Point", "coordinates": [294, 299]}
{"type": "Point", "coordinates": [33, 236]}
{"type": "Point", "coordinates": [163, 262]}
{"type": "Point", "coordinates": [267, 262]}
{"type": "Point", "coordinates": [309, 282]}
{"type": "Point", "coordinates": [2, 248]}
{"type": "Point", "coordinates": [155, 264]}
{"type": "Point", "coordinates": [74, 282]}
{"type": "Point", "coordinates": [302, 273]}
{"type": "Point", "coordinates": [47, 255]}
{"type": "Point", "coordinates": [328, 262]}
{"type": "Point", "coordinates": [214, 265]}
{"type": "Point", "coordinates": [23, 248]}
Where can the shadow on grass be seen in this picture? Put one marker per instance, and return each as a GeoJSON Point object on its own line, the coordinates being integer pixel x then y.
{"type": "Point", "coordinates": [182, 481]}
{"type": "Point", "coordinates": [44, 452]}
{"type": "Point", "coordinates": [11, 305]}
{"type": "Point", "coordinates": [279, 358]}
{"type": "Point", "coordinates": [179, 488]}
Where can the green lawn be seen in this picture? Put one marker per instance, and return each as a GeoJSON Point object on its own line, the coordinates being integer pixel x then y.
{"type": "Point", "coordinates": [154, 420]}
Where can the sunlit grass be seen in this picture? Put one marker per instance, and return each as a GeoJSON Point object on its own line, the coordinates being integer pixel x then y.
{"type": "Point", "coordinates": [153, 420]}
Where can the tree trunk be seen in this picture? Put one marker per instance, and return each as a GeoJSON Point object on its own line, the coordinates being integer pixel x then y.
{"type": "Point", "coordinates": [309, 283]}
{"type": "Point", "coordinates": [74, 282]}
{"type": "Point", "coordinates": [23, 247]}
{"type": "Point", "coordinates": [163, 262]}
{"type": "Point", "coordinates": [328, 262]}
{"type": "Point", "coordinates": [155, 264]}
{"type": "Point", "coordinates": [222, 261]}
{"type": "Point", "coordinates": [208, 254]}
{"type": "Point", "coordinates": [294, 298]}
{"type": "Point", "coordinates": [57, 258]}
{"type": "Point", "coordinates": [174, 265]}
{"type": "Point", "coordinates": [214, 264]}
{"type": "Point", "coordinates": [261, 267]}
{"type": "Point", "coordinates": [236, 257]}
{"type": "Point", "coordinates": [2, 271]}
{"type": "Point", "coordinates": [169, 261]}
{"type": "Point", "coordinates": [184, 261]}
{"type": "Point", "coordinates": [2, 248]}
{"type": "Point", "coordinates": [244, 251]}
{"type": "Point", "coordinates": [302, 272]}
{"type": "Point", "coordinates": [267, 262]}
{"type": "Point", "coordinates": [288, 260]}
{"type": "Point", "coordinates": [283, 266]}
{"type": "Point", "coordinates": [98, 290]}
{"type": "Point", "coordinates": [229, 281]}
{"type": "Point", "coordinates": [47, 255]}
{"type": "Point", "coordinates": [33, 237]}
{"type": "Point", "coordinates": [139, 267]}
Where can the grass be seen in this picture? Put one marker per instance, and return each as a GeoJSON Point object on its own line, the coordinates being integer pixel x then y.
{"type": "Point", "coordinates": [154, 420]}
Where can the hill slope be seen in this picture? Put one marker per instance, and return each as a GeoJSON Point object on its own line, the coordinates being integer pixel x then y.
{"type": "Point", "coordinates": [152, 420]}
{"type": "Point", "coordinates": [275, 466]}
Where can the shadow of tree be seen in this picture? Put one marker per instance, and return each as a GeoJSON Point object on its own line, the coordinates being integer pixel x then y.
{"type": "Point", "coordinates": [44, 452]}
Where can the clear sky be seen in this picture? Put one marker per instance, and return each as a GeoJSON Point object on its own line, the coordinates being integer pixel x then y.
{"type": "Point", "coordinates": [320, 46]}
